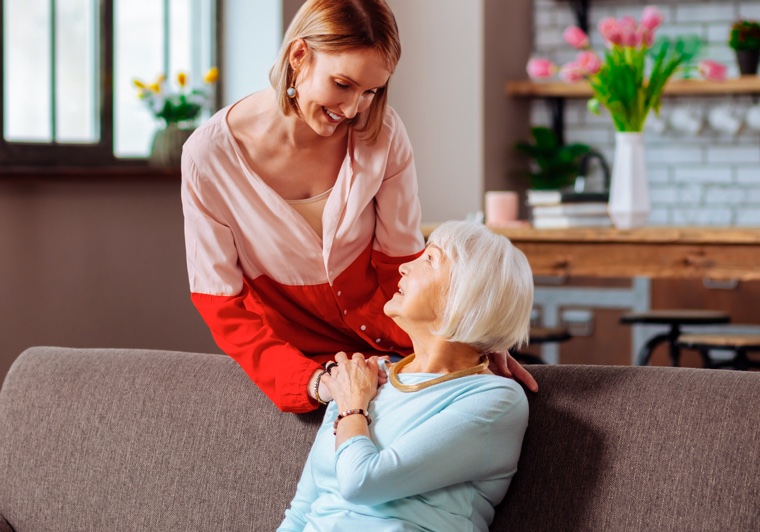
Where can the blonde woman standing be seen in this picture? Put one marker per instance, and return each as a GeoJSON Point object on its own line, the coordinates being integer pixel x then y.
{"type": "Point", "coordinates": [300, 202]}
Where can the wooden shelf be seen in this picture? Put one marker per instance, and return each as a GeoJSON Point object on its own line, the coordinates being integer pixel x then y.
{"type": "Point", "coordinates": [681, 87]}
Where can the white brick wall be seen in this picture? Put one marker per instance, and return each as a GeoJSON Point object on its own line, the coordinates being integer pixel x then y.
{"type": "Point", "coordinates": [702, 216]}
{"type": "Point", "coordinates": [703, 174]}
{"type": "Point", "coordinates": [753, 195]}
{"type": "Point", "coordinates": [749, 10]}
{"type": "Point", "coordinates": [748, 175]}
{"type": "Point", "coordinates": [658, 175]}
{"type": "Point", "coordinates": [711, 178]}
{"type": "Point", "coordinates": [723, 11]}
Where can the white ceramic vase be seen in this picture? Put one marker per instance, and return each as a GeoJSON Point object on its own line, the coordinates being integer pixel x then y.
{"type": "Point", "coordinates": [629, 188]}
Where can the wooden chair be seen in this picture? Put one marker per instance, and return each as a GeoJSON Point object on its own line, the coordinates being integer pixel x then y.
{"type": "Point", "coordinates": [740, 344]}
{"type": "Point", "coordinates": [541, 335]}
{"type": "Point", "coordinates": [675, 319]}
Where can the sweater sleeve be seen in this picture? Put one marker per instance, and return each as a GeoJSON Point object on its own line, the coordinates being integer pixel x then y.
{"type": "Point", "coordinates": [453, 446]}
{"type": "Point", "coordinates": [279, 369]}
{"type": "Point", "coordinates": [236, 321]}
{"type": "Point", "coordinates": [398, 237]}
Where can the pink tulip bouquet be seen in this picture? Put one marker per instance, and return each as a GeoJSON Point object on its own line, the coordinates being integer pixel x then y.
{"type": "Point", "coordinates": [623, 81]}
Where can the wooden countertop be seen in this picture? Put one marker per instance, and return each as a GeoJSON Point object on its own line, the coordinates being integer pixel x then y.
{"type": "Point", "coordinates": [664, 252]}
{"type": "Point", "coordinates": [650, 234]}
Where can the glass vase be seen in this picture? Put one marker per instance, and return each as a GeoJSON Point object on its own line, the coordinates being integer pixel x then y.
{"type": "Point", "coordinates": [166, 150]}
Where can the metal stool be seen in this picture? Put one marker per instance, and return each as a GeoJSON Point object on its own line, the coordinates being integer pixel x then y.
{"type": "Point", "coordinates": [675, 319]}
{"type": "Point", "coordinates": [541, 335]}
{"type": "Point", "coordinates": [740, 344]}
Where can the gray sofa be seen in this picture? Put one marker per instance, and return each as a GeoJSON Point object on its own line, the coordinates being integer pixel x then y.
{"type": "Point", "coordinates": [109, 440]}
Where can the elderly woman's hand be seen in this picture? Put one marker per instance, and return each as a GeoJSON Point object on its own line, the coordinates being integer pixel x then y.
{"type": "Point", "coordinates": [353, 382]}
{"type": "Point", "coordinates": [503, 364]}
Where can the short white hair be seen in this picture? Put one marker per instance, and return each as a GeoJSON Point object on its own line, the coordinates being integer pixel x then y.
{"type": "Point", "coordinates": [490, 293]}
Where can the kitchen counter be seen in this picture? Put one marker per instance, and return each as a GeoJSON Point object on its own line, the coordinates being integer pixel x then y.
{"type": "Point", "coordinates": [719, 253]}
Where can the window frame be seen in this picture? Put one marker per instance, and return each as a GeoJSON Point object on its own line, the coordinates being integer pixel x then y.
{"type": "Point", "coordinates": [100, 153]}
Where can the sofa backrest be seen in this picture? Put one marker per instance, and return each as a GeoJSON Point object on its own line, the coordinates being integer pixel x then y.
{"type": "Point", "coordinates": [638, 448]}
{"type": "Point", "coordinates": [94, 439]}
{"type": "Point", "coordinates": [107, 440]}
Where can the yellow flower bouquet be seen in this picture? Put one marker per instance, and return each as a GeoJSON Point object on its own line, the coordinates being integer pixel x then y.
{"type": "Point", "coordinates": [181, 107]}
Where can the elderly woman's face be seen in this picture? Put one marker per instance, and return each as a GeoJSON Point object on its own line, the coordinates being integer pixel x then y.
{"type": "Point", "coordinates": [422, 290]}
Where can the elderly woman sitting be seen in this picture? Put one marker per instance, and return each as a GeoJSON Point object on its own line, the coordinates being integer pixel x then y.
{"type": "Point", "coordinates": [437, 446]}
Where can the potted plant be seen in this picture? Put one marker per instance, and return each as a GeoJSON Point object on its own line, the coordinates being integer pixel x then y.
{"type": "Point", "coordinates": [553, 166]}
{"type": "Point", "coordinates": [745, 40]}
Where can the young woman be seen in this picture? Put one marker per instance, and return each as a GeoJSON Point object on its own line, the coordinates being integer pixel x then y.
{"type": "Point", "coordinates": [300, 202]}
{"type": "Point", "coordinates": [418, 453]}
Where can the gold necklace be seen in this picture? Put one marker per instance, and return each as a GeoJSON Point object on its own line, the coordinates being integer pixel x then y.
{"type": "Point", "coordinates": [443, 378]}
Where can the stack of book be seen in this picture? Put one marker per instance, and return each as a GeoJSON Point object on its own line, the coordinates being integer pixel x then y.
{"type": "Point", "coordinates": [554, 209]}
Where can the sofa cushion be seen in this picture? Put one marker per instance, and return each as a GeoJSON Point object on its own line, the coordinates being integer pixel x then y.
{"type": "Point", "coordinates": [638, 448]}
{"type": "Point", "coordinates": [143, 440]}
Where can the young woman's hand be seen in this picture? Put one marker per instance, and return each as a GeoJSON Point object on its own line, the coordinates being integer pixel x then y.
{"type": "Point", "coordinates": [353, 382]}
{"type": "Point", "coordinates": [503, 364]}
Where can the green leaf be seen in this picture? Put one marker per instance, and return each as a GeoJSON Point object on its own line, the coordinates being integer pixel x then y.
{"type": "Point", "coordinates": [545, 138]}
{"type": "Point", "coordinates": [593, 105]}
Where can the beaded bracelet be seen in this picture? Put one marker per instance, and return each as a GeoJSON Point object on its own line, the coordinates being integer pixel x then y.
{"type": "Point", "coordinates": [316, 389]}
{"type": "Point", "coordinates": [348, 413]}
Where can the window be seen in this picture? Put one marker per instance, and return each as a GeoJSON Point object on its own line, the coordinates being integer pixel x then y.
{"type": "Point", "coordinates": [68, 66]}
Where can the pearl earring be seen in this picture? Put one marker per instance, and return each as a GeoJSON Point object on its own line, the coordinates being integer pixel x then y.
{"type": "Point", "coordinates": [291, 92]}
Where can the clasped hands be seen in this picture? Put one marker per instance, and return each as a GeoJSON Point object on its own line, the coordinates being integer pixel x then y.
{"type": "Point", "coordinates": [352, 382]}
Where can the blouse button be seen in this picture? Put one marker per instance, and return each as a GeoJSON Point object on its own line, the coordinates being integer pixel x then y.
{"type": "Point", "coordinates": [363, 327]}
{"type": "Point", "coordinates": [345, 312]}
{"type": "Point", "coordinates": [339, 292]}
{"type": "Point", "coordinates": [378, 341]}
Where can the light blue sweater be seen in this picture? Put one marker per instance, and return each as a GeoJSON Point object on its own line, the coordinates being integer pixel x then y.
{"type": "Point", "coordinates": [439, 459]}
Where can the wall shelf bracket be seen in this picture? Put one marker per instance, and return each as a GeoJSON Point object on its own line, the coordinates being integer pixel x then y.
{"type": "Point", "coordinates": [557, 113]}
{"type": "Point", "coordinates": [581, 9]}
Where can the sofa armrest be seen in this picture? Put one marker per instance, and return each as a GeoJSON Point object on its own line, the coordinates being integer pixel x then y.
{"type": "Point", "coordinates": [5, 526]}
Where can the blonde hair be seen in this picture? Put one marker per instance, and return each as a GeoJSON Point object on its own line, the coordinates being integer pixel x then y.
{"type": "Point", "coordinates": [336, 26]}
{"type": "Point", "coordinates": [490, 292]}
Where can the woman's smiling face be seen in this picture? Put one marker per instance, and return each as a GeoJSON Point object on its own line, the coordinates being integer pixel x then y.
{"type": "Point", "coordinates": [422, 289]}
{"type": "Point", "coordinates": [333, 88]}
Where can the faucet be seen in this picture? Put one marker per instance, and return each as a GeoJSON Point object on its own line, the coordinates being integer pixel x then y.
{"type": "Point", "coordinates": [583, 167]}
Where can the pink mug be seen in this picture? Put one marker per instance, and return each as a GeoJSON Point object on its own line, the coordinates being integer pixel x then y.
{"type": "Point", "coordinates": [501, 208]}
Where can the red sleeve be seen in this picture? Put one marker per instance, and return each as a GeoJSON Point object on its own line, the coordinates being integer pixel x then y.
{"type": "Point", "coordinates": [279, 369]}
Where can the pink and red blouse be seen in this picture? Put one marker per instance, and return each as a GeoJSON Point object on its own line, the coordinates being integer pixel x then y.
{"type": "Point", "coordinates": [278, 298]}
